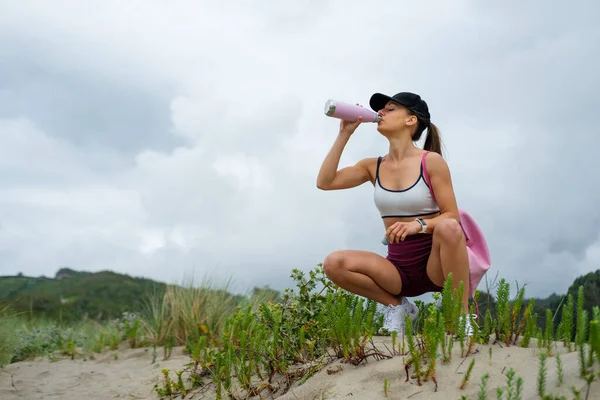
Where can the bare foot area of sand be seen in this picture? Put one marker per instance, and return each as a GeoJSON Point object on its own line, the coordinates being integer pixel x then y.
{"type": "Point", "coordinates": [130, 373]}
{"type": "Point", "coordinates": [126, 373]}
{"type": "Point", "coordinates": [366, 381]}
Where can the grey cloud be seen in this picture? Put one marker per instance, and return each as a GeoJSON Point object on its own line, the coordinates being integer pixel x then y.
{"type": "Point", "coordinates": [169, 128]}
{"type": "Point", "coordinates": [88, 109]}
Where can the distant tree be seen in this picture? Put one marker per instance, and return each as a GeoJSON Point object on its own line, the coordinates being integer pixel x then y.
{"type": "Point", "coordinates": [266, 294]}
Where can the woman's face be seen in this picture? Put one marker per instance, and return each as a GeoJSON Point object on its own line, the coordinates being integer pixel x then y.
{"type": "Point", "coordinates": [395, 118]}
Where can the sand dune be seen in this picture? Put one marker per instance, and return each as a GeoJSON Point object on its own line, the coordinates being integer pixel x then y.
{"type": "Point", "coordinates": [129, 373]}
{"type": "Point", "coordinates": [126, 373]}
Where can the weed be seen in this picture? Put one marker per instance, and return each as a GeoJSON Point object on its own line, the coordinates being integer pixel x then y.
{"type": "Point", "coordinates": [8, 337]}
{"type": "Point", "coordinates": [548, 333]}
{"type": "Point", "coordinates": [241, 349]}
{"type": "Point", "coordinates": [481, 395]}
{"type": "Point", "coordinates": [514, 315]}
{"type": "Point", "coordinates": [566, 324]}
{"type": "Point", "coordinates": [530, 324]}
{"type": "Point", "coordinates": [542, 375]}
{"type": "Point", "coordinates": [414, 352]}
{"type": "Point", "coordinates": [559, 370]}
{"type": "Point", "coordinates": [465, 379]}
{"type": "Point", "coordinates": [503, 328]}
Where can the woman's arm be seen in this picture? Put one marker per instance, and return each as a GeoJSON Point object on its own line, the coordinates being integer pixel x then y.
{"type": "Point", "coordinates": [441, 182]}
{"type": "Point", "coordinates": [330, 178]}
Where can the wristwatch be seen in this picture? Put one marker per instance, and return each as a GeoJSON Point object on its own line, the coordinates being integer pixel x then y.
{"type": "Point", "coordinates": [423, 225]}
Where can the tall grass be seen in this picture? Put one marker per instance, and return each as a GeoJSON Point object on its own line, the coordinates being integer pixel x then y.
{"type": "Point", "coordinates": [8, 338]}
{"type": "Point", "coordinates": [242, 346]}
{"type": "Point", "coordinates": [177, 316]}
{"type": "Point", "coordinates": [182, 314]}
{"type": "Point", "coordinates": [23, 337]}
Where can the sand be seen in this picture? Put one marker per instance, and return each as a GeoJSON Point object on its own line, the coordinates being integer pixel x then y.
{"type": "Point", "coordinates": [129, 373]}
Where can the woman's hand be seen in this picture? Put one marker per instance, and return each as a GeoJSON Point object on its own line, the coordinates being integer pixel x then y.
{"type": "Point", "coordinates": [400, 230]}
{"type": "Point", "coordinates": [348, 127]}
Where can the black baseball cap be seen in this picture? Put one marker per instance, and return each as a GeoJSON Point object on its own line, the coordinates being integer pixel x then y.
{"type": "Point", "coordinates": [409, 100]}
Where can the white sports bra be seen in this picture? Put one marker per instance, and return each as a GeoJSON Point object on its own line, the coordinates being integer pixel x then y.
{"type": "Point", "coordinates": [414, 201]}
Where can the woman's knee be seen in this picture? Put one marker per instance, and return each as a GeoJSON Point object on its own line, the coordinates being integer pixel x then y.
{"type": "Point", "coordinates": [334, 263]}
{"type": "Point", "coordinates": [449, 232]}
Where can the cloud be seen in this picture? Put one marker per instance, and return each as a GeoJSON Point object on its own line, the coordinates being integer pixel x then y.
{"type": "Point", "coordinates": [153, 139]}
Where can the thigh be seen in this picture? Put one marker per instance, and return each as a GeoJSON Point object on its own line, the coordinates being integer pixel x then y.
{"type": "Point", "coordinates": [434, 265]}
{"type": "Point", "coordinates": [378, 268]}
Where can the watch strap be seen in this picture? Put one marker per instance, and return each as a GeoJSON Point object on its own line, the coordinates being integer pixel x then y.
{"type": "Point", "coordinates": [423, 224]}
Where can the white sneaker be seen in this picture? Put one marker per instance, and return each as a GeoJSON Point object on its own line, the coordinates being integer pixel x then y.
{"type": "Point", "coordinates": [411, 309]}
{"type": "Point", "coordinates": [394, 316]}
{"type": "Point", "coordinates": [468, 326]}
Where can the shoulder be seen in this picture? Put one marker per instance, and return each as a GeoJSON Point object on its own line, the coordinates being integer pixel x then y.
{"type": "Point", "coordinates": [369, 165]}
{"type": "Point", "coordinates": [435, 163]}
{"type": "Point", "coordinates": [368, 162]}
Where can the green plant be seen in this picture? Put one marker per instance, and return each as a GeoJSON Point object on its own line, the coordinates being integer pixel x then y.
{"type": "Point", "coordinates": [481, 395]}
{"type": "Point", "coordinates": [530, 324]}
{"type": "Point", "coordinates": [519, 392]}
{"type": "Point", "coordinates": [259, 344]}
{"type": "Point", "coordinates": [448, 305]}
{"type": "Point", "coordinates": [589, 378]}
{"type": "Point", "coordinates": [433, 335]}
{"type": "Point", "coordinates": [181, 314]}
{"type": "Point", "coordinates": [487, 327]}
{"type": "Point", "coordinates": [514, 387]}
{"type": "Point", "coordinates": [542, 375]}
{"type": "Point", "coordinates": [566, 324]}
{"type": "Point", "coordinates": [594, 341]}
{"type": "Point", "coordinates": [475, 337]}
{"type": "Point", "coordinates": [414, 358]}
{"type": "Point", "coordinates": [131, 324]}
{"type": "Point", "coordinates": [349, 326]}
{"type": "Point", "coordinates": [265, 340]}
{"type": "Point", "coordinates": [8, 337]}
{"type": "Point", "coordinates": [559, 370]}
{"type": "Point", "coordinates": [467, 375]}
{"type": "Point", "coordinates": [548, 332]}
{"type": "Point", "coordinates": [515, 329]}
{"type": "Point", "coordinates": [504, 318]}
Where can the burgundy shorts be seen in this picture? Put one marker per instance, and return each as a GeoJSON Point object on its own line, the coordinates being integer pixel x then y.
{"type": "Point", "coordinates": [410, 259]}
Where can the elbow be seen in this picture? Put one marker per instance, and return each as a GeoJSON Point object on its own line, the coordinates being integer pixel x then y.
{"type": "Point", "coordinates": [451, 215]}
{"type": "Point", "coordinates": [325, 183]}
{"type": "Point", "coordinates": [455, 216]}
{"type": "Point", "coordinates": [322, 183]}
{"type": "Point", "coordinates": [322, 186]}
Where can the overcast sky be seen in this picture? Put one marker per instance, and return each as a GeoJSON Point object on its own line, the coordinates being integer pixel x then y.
{"type": "Point", "coordinates": [164, 139]}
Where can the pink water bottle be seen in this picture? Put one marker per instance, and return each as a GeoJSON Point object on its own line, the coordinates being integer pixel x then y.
{"type": "Point", "coordinates": [350, 112]}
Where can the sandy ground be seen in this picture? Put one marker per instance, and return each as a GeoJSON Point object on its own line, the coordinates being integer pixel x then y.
{"type": "Point", "coordinates": [126, 373]}
{"type": "Point", "coordinates": [132, 376]}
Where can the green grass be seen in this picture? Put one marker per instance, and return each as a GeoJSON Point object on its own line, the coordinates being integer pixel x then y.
{"type": "Point", "coordinates": [241, 346]}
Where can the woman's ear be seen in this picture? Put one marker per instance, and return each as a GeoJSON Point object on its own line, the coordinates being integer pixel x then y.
{"type": "Point", "coordinates": [411, 120]}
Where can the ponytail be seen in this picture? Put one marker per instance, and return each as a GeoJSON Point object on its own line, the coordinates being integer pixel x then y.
{"type": "Point", "coordinates": [432, 140]}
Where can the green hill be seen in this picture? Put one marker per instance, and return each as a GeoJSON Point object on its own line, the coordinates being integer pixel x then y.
{"type": "Point", "coordinates": [104, 295]}
{"type": "Point", "coordinates": [73, 294]}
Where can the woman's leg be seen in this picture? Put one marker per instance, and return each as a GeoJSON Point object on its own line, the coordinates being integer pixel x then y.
{"type": "Point", "coordinates": [449, 255]}
{"type": "Point", "coordinates": [366, 274]}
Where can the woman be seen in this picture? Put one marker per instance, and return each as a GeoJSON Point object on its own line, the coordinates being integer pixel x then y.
{"type": "Point", "coordinates": [426, 242]}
